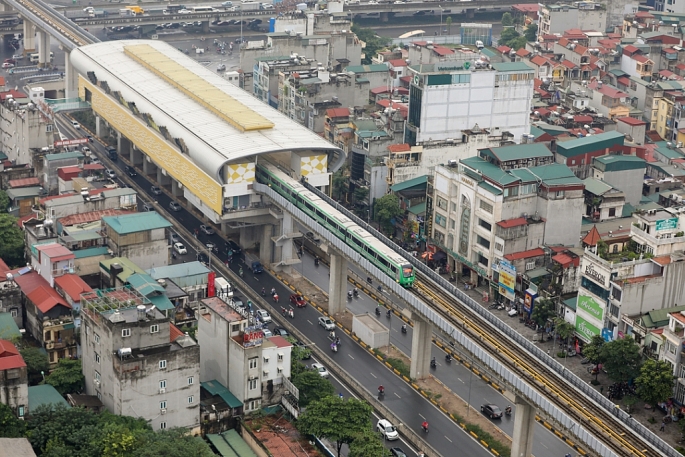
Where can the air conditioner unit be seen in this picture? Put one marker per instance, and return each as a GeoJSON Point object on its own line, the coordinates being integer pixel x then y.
{"type": "Point", "coordinates": [611, 297]}
{"type": "Point", "coordinates": [162, 390]}
{"type": "Point", "coordinates": [97, 382]}
{"type": "Point", "coordinates": [163, 411]}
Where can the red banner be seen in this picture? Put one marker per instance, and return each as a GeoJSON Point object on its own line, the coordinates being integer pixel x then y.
{"type": "Point", "coordinates": [211, 289]}
{"type": "Point", "coordinates": [71, 142]}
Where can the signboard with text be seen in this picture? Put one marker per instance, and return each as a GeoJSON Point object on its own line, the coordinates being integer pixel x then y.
{"type": "Point", "coordinates": [211, 288]}
{"type": "Point", "coordinates": [71, 142]}
{"type": "Point", "coordinates": [253, 336]}
{"type": "Point", "coordinates": [591, 307]}
{"type": "Point", "coordinates": [507, 280]}
{"type": "Point", "coordinates": [598, 274]}
{"type": "Point", "coordinates": [667, 224]}
{"type": "Point", "coordinates": [529, 301]}
{"type": "Point", "coordinates": [585, 330]}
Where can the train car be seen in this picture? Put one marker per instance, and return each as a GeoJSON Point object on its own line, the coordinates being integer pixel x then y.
{"type": "Point", "coordinates": [384, 258]}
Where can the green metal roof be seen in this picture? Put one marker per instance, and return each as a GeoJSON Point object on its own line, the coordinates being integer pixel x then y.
{"type": "Point", "coordinates": [418, 209]}
{"type": "Point", "coordinates": [571, 303]}
{"type": "Point", "coordinates": [145, 284]}
{"type": "Point", "coordinates": [628, 210]}
{"type": "Point", "coordinates": [669, 153]}
{"type": "Point", "coordinates": [221, 445]}
{"type": "Point", "coordinates": [612, 162]}
{"type": "Point", "coordinates": [490, 188]}
{"type": "Point", "coordinates": [536, 132]}
{"type": "Point", "coordinates": [86, 235]}
{"type": "Point", "coordinates": [90, 252]}
{"type": "Point", "coordinates": [668, 170]}
{"type": "Point", "coordinates": [550, 174]}
{"type": "Point", "coordinates": [364, 124]}
{"type": "Point", "coordinates": [489, 170]}
{"type": "Point", "coordinates": [538, 273]}
{"type": "Point", "coordinates": [596, 186]}
{"type": "Point", "coordinates": [659, 317]}
{"type": "Point", "coordinates": [161, 302]}
{"type": "Point", "coordinates": [579, 146]}
{"type": "Point", "coordinates": [374, 68]}
{"type": "Point", "coordinates": [45, 395]}
{"type": "Point", "coordinates": [182, 274]}
{"type": "Point", "coordinates": [372, 133]}
{"type": "Point", "coordinates": [137, 222]}
{"type": "Point", "coordinates": [553, 130]}
{"type": "Point", "coordinates": [8, 328]}
{"type": "Point", "coordinates": [488, 52]}
{"type": "Point", "coordinates": [63, 155]}
{"type": "Point", "coordinates": [308, 81]}
{"type": "Point", "coordinates": [518, 152]}
{"type": "Point", "coordinates": [128, 266]}
{"type": "Point", "coordinates": [511, 66]}
{"type": "Point", "coordinates": [618, 72]}
{"type": "Point", "coordinates": [416, 182]}
{"type": "Point", "coordinates": [238, 444]}
{"type": "Point", "coordinates": [214, 387]}
{"type": "Point", "coordinates": [3, 156]}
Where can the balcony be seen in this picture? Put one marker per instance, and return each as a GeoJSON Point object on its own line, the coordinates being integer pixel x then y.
{"type": "Point", "coordinates": [659, 240]}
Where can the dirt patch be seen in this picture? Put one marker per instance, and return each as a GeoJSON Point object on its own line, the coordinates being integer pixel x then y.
{"type": "Point", "coordinates": [280, 437]}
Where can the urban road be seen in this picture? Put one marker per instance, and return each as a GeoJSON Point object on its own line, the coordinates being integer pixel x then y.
{"type": "Point", "coordinates": [404, 401]}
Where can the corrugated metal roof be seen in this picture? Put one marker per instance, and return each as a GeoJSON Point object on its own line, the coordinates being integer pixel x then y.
{"type": "Point", "coordinates": [511, 66]}
{"type": "Point", "coordinates": [136, 222]}
{"type": "Point", "coordinates": [221, 445]}
{"type": "Point", "coordinates": [45, 395]}
{"type": "Point", "coordinates": [493, 172]}
{"type": "Point", "coordinates": [24, 192]}
{"type": "Point", "coordinates": [596, 186]}
{"type": "Point", "coordinates": [238, 444]}
{"type": "Point", "coordinates": [588, 144]}
{"type": "Point", "coordinates": [183, 274]}
{"type": "Point", "coordinates": [63, 155]}
{"type": "Point", "coordinates": [128, 266]}
{"type": "Point", "coordinates": [374, 68]}
{"type": "Point", "coordinates": [145, 284]}
{"type": "Point", "coordinates": [519, 151]}
{"type": "Point", "coordinates": [214, 387]}
{"type": "Point", "coordinates": [421, 180]}
{"type": "Point", "coordinates": [621, 162]}
{"type": "Point", "coordinates": [8, 328]}
{"type": "Point", "coordinates": [90, 252]}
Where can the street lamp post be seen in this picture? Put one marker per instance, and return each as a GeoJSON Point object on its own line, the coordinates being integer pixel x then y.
{"type": "Point", "coordinates": [468, 404]}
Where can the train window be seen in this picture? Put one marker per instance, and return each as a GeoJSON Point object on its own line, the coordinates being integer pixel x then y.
{"type": "Point", "coordinates": [308, 206]}
{"type": "Point", "coordinates": [356, 240]}
{"type": "Point", "coordinates": [407, 271]}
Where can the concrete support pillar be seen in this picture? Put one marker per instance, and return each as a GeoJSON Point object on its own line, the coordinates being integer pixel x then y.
{"type": "Point", "coordinates": [163, 178]}
{"type": "Point", "coordinates": [421, 348]}
{"type": "Point", "coordinates": [176, 188]}
{"type": "Point", "coordinates": [4, 7]}
{"type": "Point", "coordinates": [137, 158]}
{"type": "Point", "coordinates": [98, 126]}
{"type": "Point", "coordinates": [29, 37]}
{"type": "Point", "coordinates": [70, 77]}
{"type": "Point", "coordinates": [474, 277]}
{"type": "Point", "coordinates": [266, 247]}
{"type": "Point", "coordinates": [524, 426]}
{"type": "Point", "coordinates": [286, 229]}
{"type": "Point", "coordinates": [337, 290]}
{"type": "Point", "coordinates": [384, 17]}
{"type": "Point", "coordinates": [205, 26]}
{"type": "Point", "coordinates": [147, 166]}
{"type": "Point", "coordinates": [119, 137]}
{"type": "Point", "coordinates": [126, 148]}
{"type": "Point", "coordinates": [43, 49]}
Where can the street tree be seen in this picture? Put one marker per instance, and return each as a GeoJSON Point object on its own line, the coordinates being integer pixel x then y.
{"type": "Point", "coordinates": [11, 241]}
{"type": "Point", "coordinates": [448, 23]}
{"type": "Point", "coordinates": [336, 419]}
{"type": "Point", "coordinates": [36, 363]}
{"type": "Point", "coordinates": [385, 210]}
{"type": "Point", "coordinates": [368, 443]}
{"type": "Point", "coordinates": [374, 43]}
{"type": "Point", "coordinates": [312, 387]}
{"type": "Point", "coordinates": [593, 350]}
{"type": "Point", "coordinates": [655, 382]}
{"type": "Point", "coordinates": [4, 201]}
{"type": "Point", "coordinates": [10, 426]}
{"type": "Point", "coordinates": [360, 194]}
{"type": "Point", "coordinates": [531, 32]}
{"type": "Point", "coordinates": [542, 311]}
{"type": "Point", "coordinates": [563, 329]}
{"type": "Point", "coordinates": [175, 442]}
{"type": "Point", "coordinates": [340, 187]}
{"type": "Point", "coordinates": [507, 20]}
{"type": "Point", "coordinates": [621, 359]}
{"type": "Point", "coordinates": [507, 35]}
{"type": "Point", "coordinates": [67, 378]}
{"type": "Point", "coordinates": [517, 43]}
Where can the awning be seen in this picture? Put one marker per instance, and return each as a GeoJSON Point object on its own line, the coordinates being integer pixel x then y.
{"type": "Point", "coordinates": [416, 182]}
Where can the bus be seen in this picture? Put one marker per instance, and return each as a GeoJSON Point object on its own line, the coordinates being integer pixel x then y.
{"type": "Point", "coordinates": [35, 58]}
{"type": "Point", "coordinates": [201, 9]}
{"type": "Point", "coordinates": [173, 9]}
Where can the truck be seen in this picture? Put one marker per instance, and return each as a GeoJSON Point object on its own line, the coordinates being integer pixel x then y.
{"type": "Point", "coordinates": [112, 153]}
{"type": "Point", "coordinates": [126, 13]}
{"type": "Point", "coordinates": [250, 6]}
{"type": "Point", "coordinates": [223, 288]}
{"type": "Point", "coordinates": [137, 10]}
{"type": "Point", "coordinates": [253, 264]}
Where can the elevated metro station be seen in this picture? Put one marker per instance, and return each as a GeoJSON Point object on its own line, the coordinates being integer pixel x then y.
{"type": "Point", "coordinates": [200, 136]}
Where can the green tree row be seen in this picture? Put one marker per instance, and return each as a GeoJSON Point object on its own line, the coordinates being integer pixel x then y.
{"type": "Point", "coordinates": [11, 236]}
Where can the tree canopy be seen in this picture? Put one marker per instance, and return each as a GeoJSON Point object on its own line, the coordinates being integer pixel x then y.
{"type": "Point", "coordinates": [531, 32]}
{"type": "Point", "coordinates": [655, 382]}
{"type": "Point", "coordinates": [11, 241]}
{"type": "Point", "coordinates": [312, 387]}
{"type": "Point", "coordinates": [385, 210]}
{"type": "Point", "coordinates": [510, 37]}
{"type": "Point", "coordinates": [10, 426]}
{"type": "Point", "coordinates": [336, 419]}
{"type": "Point", "coordinates": [593, 350]}
{"type": "Point", "coordinates": [4, 201]}
{"type": "Point", "coordinates": [507, 20]}
{"type": "Point", "coordinates": [36, 362]}
{"type": "Point", "coordinates": [544, 309]}
{"type": "Point", "coordinates": [374, 43]}
{"type": "Point", "coordinates": [368, 443]}
{"type": "Point", "coordinates": [67, 378]}
{"type": "Point", "coordinates": [621, 359]}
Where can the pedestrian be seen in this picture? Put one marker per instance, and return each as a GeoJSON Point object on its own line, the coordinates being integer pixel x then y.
{"type": "Point", "coordinates": [663, 426]}
{"type": "Point", "coordinates": [601, 390]}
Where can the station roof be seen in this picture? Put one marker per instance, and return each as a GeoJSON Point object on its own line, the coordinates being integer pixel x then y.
{"type": "Point", "coordinates": [218, 122]}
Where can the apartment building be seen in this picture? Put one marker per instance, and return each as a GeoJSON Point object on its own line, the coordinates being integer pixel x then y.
{"type": "Point", "coordinates": [140, 237]}
{"type": "Point", "coordinates": [659, 231]}
{"type": "Point", "coordinates": [138, 363]}
{"type": "Point", "coordinates": [14, 380]}
{"type": "Point", "coordinates": [265, 75]}
{"type": "Point", "coordinates": [560, 17]}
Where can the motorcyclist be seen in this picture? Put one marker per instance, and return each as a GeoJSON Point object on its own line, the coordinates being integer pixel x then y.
{"type": "Point", "coordinates": [263, 291]}
{"type": "Point", "coordinates": [507, 410]}
{"type": "Point", "coordinates": [273, 291]}
{"type": "Point", "coordinates": [424, 426]}
{"type": "Point", "coordinates": [404, 328]}
{"type": "Point", "coordinates": [381, 389]}
{"type": "Point", "coordinates": [355, 292]}
{"type": "Point", "coordinates": [240, 272]}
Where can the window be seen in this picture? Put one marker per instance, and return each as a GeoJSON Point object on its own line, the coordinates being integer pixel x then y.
{"type": "Point", "coordinates": [190, 400]}
{"type": "Point", "coordinates": [162, 425]}
{"type": "Point", "coordinates": [254, 404]}
{"type": "Point", "coordinates": [191, 380]}
{"type": "Point", "coordinates": [613, 309]}
{"type": "Point", "coordinates": [530, 266]}
{"type": "Point", "coordinates": [616, 293]}
{"type": "Point", "coordinates": [441, 203]}
{"type": "Point", "coordinates": [252, 363]}
{"type": "Point", "coordinates": [125, 332]}
{"type": "Point", "coordinates": [20, 411]}
{"type": "Point", "coordinates": [14, 312]}
{"type": "Point", "coordinates": [97, 338]}
{"type": "Point", "coordinates": [162, 384]}
{"type": "Point", "coordinates": [280, 357]}
{"type": "Point", "coordinates": [511, 192]}
{"type": "Point", "coordinates": [454, 207]}
{"type": "Point", "coordinates": [499, 247]}
{"type": "Point", "coordinates": [482, 260]}
{"type": "Point", "coordinates": [97, 376]}
{"type": "Point", "coordinates": [486, 225]}
{"type": "Point", "coordinates": [252, 384]}
{"type": "Point", "coordinates": [154, 328]}
{"type": "Point", "coordinates": [162, 404]}
{"type": "Point", "coordinates": [483, 242]}
{"type": "Point", "coordinates": [235, 328]}
{"type": "Point", "coordinates": [279, 370]}
{"type": "Point", "coordinates": [560, 194]}
{"type": "Point", "coordinates": [162, 364]}
{"type": "Point", "coordinates": [453, 224]}
{"type": "Point", "coordinates": [612, 212]}
{"type": "Point", "coordinates": [485, 206]}
{"type": "Point", "coordinates": [440, 220]}
{"type": "Point", "coordinates": [49, 127]}
{"type": "Point", "coordinates": [97, 358]}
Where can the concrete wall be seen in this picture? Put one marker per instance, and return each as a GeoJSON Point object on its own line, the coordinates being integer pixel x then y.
{"type": "Point", "coordinates": [14, 389]}
{"type": "Point", "coordinates": [213, 357]}
{"type": "Point", "coordinates": [24, 130]}
{"type": "Point", "coordinates": [146, 255]}
{"type": "Point", "coordinates": [10, 301]}
{"type": "Point", "coordinates": [370, 330]}
{"type": "Point", "coordinates": [564, 216]}
{"type": "Point", "coordinates": [629, 181]}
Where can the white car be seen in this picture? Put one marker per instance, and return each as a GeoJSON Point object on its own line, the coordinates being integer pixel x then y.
{"type": "Point", "coordinates": [264, 316]}
{"type": "Point", "coordinates": [388, 430]}
{"type": "Point", "coordinates": [76, 124]}
{"type": "Point", "coordinates": [180, 248]}
{"type": "Point", "coordinates": [326, 323]}
{"type": "Point", "coordinates": [110, 174]}
{"type": "Point", "coordinates": [184, 11]}
{"type": "Point", "coordinates": [323, 372]}
{"type": "Point", "coordinates": [267, 333]}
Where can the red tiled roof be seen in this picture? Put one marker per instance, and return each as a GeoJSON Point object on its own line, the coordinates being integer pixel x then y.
{"type": "Point", "coordinates": [9, 356]}
{"type": "Point", "coordinates": [551, 37]}
{"type": "Point", "coordinates": [522, 52]}
{"type": "Point", "coordinates": [70, 169]}
{"type": "Point", "coordinates": [513, 222]}
{"type": "Point", "coordinates": [631, 121]}
{"type": "Point", "coordinates": [607, 90]}
{"type": "Point", "coordinates": [380, 90]}
{"type": "Point", "coordinates": [526, 7]}
{"type": "Point", "coordinates": [34, 286]}
{"type": "Point", "coordinates": [662, 259]}
{"type": "Point", "coordinates": [680, 66]}
{"type": "Point", "coordinates": [539, 61]}
{"type": "Point", "coordinates": [398, 63]}
{"type": "Point", "coordinates": [24, 182]}
{"type": "Point", "coordinates": [83, 218]}
{"type": "Point", "coordinates": [564, 260]}
{"type": "Point", "coordinates": [338, 112]}
{"type": "Point", "coordinates": [644, 14]}
{"type": "Point", "coordinates": [670, 51]}
{"type": "Point", "coordinates": [584, 119]}
{"type": "Point", "coordinates": [2, 80]}
{"type": "Point", "coordinates": [624, 80]}
{"type": "Point", "coordinates": [630, 49]}
{"type": "Point", "coordinates": [537, 252]}
{"type": "Point", "coordinates": [55, 251]}
{"type": "Point", "coordinates": [640, 58]}
{"type": "Point", "coordinates": [442, 51]}
{"type": "Point", "coordinates": [403, 147]}
{"type": "Point", "coordinates": [14, 93]}
{"type": "Point", "coordinates": [503, 49]}
{"type": "Point", "coordinates": [280, 342]}
{"type": "Point", "coordinates": [592, 237]}
{"type": "Point", "coordinates": [405, 79]}
{"type": "Point", "coordinates": [174, 332]}
{"type": "Point", "coordinates": [568, 64]}
{"type": "Point", "coordinates": [73, 286]}
{"type": "Point", "coordinates": [385, 103]}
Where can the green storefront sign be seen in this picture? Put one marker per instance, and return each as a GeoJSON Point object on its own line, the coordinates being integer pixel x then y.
{"type": "Point", "coordinates": [590, 306]}
{"type": "Point", "coordinates": [584, 329]}
{"type": "Point", "coordinates": [667, 224]}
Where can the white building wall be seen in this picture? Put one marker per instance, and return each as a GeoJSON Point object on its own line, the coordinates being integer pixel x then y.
{"type": "Point", "coordinates": [563, 218]}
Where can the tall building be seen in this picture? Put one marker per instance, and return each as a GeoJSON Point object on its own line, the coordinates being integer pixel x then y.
{"type": "Point", "coordinates": [14, 380]}
{"type": "Point", "coordinates": [138, 363]}
{"type": "Point", "coordinates": [456, 95]}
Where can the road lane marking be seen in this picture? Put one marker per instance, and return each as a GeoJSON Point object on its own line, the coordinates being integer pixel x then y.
{"type": "Point", "coordinates": [448, 439]}
{"type": "Point", "coordinates": [350, 356]}
{"type": "Point", "coordinates": [397, 395]}
{"type": "Point", "coordinates": [374, 375]}
{"type": "Point", "coordinates": [461, 381]}
{"type": "Point", "coordinates": [421, 416]}
{"type": "Point", "coordinates": [310, 322]}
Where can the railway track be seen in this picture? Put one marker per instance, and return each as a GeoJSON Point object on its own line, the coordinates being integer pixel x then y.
{"type": "Point", "coordinates": [591, 416]}
{"type": "Point", "coordinates": [56, 21]}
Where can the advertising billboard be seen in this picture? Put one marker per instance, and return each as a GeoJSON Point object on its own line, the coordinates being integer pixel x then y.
{"type": "Point", "coordinates": [585, 330]}
{"type": "Point", "coordinates": [667, 224]}
{"type": "Point", "coordinates": [591, 307]}
{"type": "Point", "coordinates": [507, 280]}
{"type": "Point", "coordinates": [529, 301]}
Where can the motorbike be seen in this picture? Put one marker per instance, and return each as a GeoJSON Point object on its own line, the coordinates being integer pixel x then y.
{"type": "Point", "coordinates": [389, 313]}
{"type": "Point", "coordinates": [349, 295]}
{"type": "Point", "coordinates": [334, 347]}
{"type": "Point", "coordinates": [404, 328]}
{"type": "Point", "coordinates": [355, 292]}
{"type": "Point", "coordinates": [425, 428]}
{"type": "Point", "coordinates": [263, 292]}
{"type": "Point", "coordinates": [291, 313]}
{"type": "Point", "coordinates": [507, 411]}
{"type": "Point", "coordinates": [433, 363]}
{"type": "Point", "coordinates": [381, 391]}
{"type": "Point", "coordinates": [448, 358]}
{"type": "Point", "coordinates": [378, 311]}
{"type": "Point", "coordinates": [173, 255]}
{"type": "Point", "coordinates": [316, 261]}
